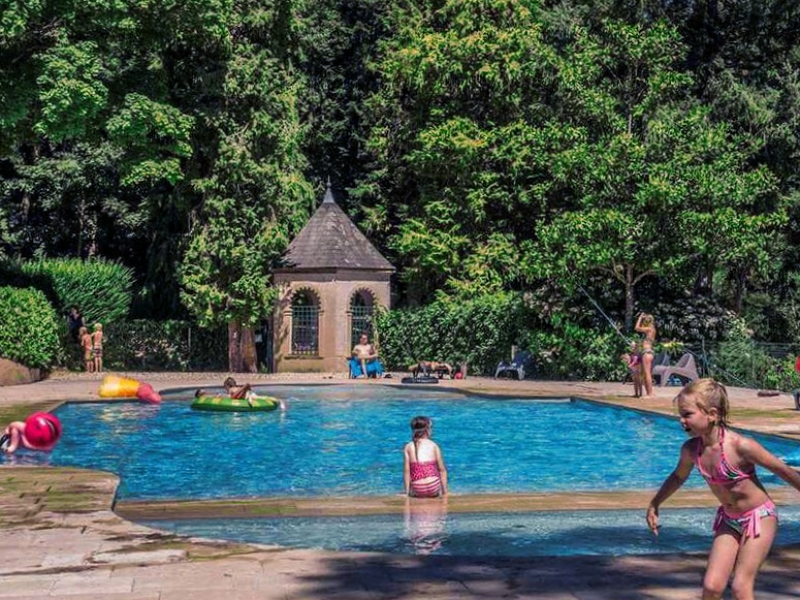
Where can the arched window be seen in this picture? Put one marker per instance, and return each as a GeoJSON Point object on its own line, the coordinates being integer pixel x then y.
{"type": "Point", "coordinates": [362, 310]}
{"type": "Point", "coordinates": [305, 323]}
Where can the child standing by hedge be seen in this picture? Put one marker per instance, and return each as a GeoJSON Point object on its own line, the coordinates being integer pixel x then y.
{"type": "Point", "coordinates": [86, 347]}
{"type": "Point", "coordinates": [97, 346]}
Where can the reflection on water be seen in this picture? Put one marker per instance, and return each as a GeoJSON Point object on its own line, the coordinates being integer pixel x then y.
{"type": "Point", "coordinates": [425, 527]}
{"type": "Point", "coordinates": [425, 524]}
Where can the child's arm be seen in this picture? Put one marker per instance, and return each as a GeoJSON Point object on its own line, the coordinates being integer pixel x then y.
{"type": "Point", "coordinates": [406, 473]}
{"type": "Point", "coordinates": [442, 470]}
{"type": "Point", "coordinates": [755, 453]}
{"type": "Point", "coordinates": [14, 431]}
{"type": "Point", "coordinates": [670, 485]}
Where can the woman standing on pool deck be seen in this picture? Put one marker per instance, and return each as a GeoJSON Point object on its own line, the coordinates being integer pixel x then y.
{"type": "Point", "coordinates": [645, 324]}
{"type": "Point", "coordinates": [424, 473]}
{"type": "Point", "coordinates": [746, 521]}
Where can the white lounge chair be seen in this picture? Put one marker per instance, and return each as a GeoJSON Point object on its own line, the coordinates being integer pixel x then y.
{"type": "Point", "coordinates": [685, 369]}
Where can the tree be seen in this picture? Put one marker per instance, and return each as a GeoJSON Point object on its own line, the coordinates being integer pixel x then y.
{"type": "Point", "coordinates": [463, 142]}
{"type": "Point", "coordinates": [92, 139]}
{"type": "Point", "coordinates": [254, 195]}
{"type": "Point", "coordinates": [655, 177]}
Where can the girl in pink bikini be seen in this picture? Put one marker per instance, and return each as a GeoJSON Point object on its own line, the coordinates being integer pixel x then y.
{"type": "Point", "coordinates": [746, 521]}
{"type": "Point", "coordinates": [424, 473]}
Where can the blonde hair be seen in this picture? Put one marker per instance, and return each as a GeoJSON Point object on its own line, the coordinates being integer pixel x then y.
{"type": "Point", "coordinates": [648, 320]}
{"type": "Point", "coordinates": [98, 327]}
{"type": "Point", "coordinates": [708, 394]}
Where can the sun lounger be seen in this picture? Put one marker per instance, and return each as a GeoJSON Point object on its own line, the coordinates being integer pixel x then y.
{"type": "Point", "coordinates": [685, 370]}
{"type": "Point", "coordinates": [518, 364]}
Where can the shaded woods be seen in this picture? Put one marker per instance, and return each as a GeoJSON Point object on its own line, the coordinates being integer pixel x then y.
{"type": "Point", "coordinates": [645, 150]}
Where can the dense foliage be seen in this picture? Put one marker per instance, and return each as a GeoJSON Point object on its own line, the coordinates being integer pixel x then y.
{"type": "Point", "coordinates": [28, 327]}
{"type": "Point", "coordinates": [646, 152]}
{"type": "Point", "coordinates": [102, 290]}
{"type": "Point", "coordinates": [479, 332]}
{"type": "Point", "coordinates": [145, 345]}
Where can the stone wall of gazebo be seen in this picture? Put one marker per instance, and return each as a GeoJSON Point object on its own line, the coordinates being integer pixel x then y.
{"type": "Point", "coordinates": [334, 292]}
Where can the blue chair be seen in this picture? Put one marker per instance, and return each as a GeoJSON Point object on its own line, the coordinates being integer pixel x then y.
{"type": "Point", "coordinates": [374, 367]}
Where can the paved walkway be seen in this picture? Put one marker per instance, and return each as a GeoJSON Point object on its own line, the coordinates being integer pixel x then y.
{"type": "Point", "coordinates": [61, 540]}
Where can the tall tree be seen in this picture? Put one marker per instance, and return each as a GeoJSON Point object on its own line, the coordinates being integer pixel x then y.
{"type": "Point", "coordinates": [91, 136]}
{"type": "Point", "coordinates": [464, 143]}
{"type": "Point", "coordinates": [254, 195]}
{"type": "Point", "coordinates": [657, 180]}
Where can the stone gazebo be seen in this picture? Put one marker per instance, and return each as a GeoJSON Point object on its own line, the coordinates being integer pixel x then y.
{"type": "Point", "coordinates": [332, 281]}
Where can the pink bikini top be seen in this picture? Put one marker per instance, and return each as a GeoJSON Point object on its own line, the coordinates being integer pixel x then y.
{"type": "Point", "coordinates": [726, 473]}
{"type": "Point", "coordinates": [421, 470]}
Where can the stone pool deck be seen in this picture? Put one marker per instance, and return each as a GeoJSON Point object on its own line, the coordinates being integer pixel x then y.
{"type": "Point", "coordinates": [60, 538]}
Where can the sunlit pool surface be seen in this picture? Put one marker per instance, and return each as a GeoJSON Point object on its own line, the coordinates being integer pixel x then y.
{"type": "Point", "coordinates": [483, 534]}
{"type": "Point", "coordinates": [347, 441]}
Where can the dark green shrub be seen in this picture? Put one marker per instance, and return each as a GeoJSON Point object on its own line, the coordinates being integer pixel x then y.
{"type": "Point", "coordinates": [479, 332]}
{"type": "Point", "coordinates": [100, 289]}
{"type": "Point", "coordinates": [741, 361]}
{"type": "Point", "coordinates": [28, 327]}
{"type": "Point", "coordinates": [569, 351]}
{"type": "Point", "coordinates": [692, 319]}
{"type": "Point", "coordinates": [145, 345]}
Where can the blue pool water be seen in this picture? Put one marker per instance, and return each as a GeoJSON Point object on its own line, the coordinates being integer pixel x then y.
{"type": "Point", "coordinates": [345, 441]}
{"type": "Point", "coordinates": [483, 534]}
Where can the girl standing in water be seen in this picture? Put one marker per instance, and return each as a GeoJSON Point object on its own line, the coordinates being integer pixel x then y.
{"type": "Point", "coordinates": [746, 521]}
{"type": "Point", "coordinates": [424, 473]}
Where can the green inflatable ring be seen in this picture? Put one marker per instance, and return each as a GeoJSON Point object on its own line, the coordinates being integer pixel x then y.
{"type": "Point", "coordinates": [226, 404]}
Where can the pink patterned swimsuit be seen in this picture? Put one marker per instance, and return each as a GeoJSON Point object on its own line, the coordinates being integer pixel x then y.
{"type": "Point", "coordinates": [425, 470]}
{"type": "Point", "coordinates": [747, 523]}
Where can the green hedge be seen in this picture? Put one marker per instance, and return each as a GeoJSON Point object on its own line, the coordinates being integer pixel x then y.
{"type": "Point", "coordinates": [28, 328]}
{"type": "Point", "coordinates": [480, 332]}
{"type": "Point", "coordinates": [739, 361]}
{"type": "Point", "coordinates": [565, 350]}
{"type": "Point", "coordinates": [100, 289]}
{"type": "Point", "coordinates": [145, 345]}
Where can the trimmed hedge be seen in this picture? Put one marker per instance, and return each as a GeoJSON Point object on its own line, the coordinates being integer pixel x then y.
{"type": "Point", "coordinates": [28, 328]}
{"type": "Point", "coordinates": [144, 345]}
{"type": "Point", "coordinates": [480, 332]}
{"type": "Point", "coordinates": [568, 351]}
{"type": "Point", "coordinates": [101, 289]}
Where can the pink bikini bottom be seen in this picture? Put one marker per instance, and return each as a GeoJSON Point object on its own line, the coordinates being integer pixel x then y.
{"type": "Point", "coordinates": [747, 523]}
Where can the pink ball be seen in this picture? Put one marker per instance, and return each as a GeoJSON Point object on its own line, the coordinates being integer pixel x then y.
{"type": "Point", "coordinates": [42, 430]}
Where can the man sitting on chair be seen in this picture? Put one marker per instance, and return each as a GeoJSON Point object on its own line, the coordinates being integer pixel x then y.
{"type": "Point", "coordinates": [364, 352]}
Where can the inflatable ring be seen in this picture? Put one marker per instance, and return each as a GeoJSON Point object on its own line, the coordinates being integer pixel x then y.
{"type": "Point", "coordinates": [227, 404]}
{"type": "Point", "coordinates": [420, 380]}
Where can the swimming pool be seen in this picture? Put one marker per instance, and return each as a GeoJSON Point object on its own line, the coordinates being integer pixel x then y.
{"type": "Point", "coordinates": [563, 533]}
{"type": "Point", "coordinates": [347, 441]}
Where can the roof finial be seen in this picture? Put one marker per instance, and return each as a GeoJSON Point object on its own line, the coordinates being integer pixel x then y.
{"type": "Point", "coordinates": [329, 194]}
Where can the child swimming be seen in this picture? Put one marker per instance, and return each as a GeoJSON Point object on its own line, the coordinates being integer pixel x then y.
{"type": "Point", "coordinates": [424, 473]}
{"type": "Point", "coordinates": [240, 392]}
{"type": "Point", "coordinates": [746, 521]}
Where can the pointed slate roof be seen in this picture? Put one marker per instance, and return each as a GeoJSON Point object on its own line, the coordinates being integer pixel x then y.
{"type": "Point", "coordinates": [330, 240]}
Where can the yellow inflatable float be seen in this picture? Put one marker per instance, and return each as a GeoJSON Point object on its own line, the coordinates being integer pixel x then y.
{"type": "Point", "coordinates": [123, 387]}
